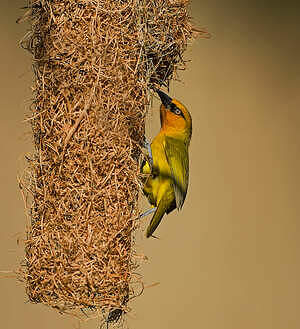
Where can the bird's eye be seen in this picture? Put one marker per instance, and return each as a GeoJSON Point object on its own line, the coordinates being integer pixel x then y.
{"type": "Point", "coordinates": [177, 111]}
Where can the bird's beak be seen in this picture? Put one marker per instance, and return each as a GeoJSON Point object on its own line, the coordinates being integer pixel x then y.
{"type": "Point", "coordinates": [165, 99]}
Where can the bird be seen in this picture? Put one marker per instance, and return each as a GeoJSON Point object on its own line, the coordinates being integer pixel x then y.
{"type": "Point", "coordinates": [167, 166]}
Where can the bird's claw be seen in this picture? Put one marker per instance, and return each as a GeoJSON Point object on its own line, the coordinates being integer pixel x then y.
{"type": "Point", "coordinates": [148, 147]}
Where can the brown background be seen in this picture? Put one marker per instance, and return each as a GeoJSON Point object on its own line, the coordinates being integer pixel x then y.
{"type": "Point", "coordinates": [230, 259]}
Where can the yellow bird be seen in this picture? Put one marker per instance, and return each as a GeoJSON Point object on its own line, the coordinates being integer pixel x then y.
{"type": "Point", "coordinates": [167, 184]}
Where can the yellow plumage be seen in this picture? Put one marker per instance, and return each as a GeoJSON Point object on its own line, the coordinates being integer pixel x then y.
{"type": "Point", "coordinates": [167, 184]}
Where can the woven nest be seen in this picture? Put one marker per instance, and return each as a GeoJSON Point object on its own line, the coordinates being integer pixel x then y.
{"type": "Point", "coordinates": [94, 63]}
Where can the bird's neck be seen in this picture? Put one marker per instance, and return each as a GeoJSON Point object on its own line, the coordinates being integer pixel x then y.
{"type": "Point", "coordinates": [183, 135]}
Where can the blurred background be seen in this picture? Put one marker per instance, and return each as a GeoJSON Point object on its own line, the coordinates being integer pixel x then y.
{"type": "Point", "coordinates": [230, 258]}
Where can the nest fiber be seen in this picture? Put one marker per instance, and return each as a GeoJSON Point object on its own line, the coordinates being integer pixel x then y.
{"type": "Point", "coordinates": [94, 63]}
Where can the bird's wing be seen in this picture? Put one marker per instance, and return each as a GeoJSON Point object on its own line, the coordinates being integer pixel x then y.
{"type": "Point", "coordinates": [178, 160]}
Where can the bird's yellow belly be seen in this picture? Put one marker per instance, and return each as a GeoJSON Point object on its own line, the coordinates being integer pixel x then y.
{"type": "Point", "coordinates": [160, 162]}
{"type": "Point", "coordinates": [159, 184]}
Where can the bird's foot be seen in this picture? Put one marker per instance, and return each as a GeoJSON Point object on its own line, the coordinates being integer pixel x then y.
{"type": "Point", "coordinates": [147, 212]}
{"type": "Point", "coordinates": [148, 147]}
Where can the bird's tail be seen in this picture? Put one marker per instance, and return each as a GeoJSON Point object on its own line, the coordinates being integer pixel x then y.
{"type": "Point", "coordinates": [157, 217]}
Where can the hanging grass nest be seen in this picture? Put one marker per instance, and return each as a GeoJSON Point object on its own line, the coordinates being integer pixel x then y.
{"type": "Point", "coordinates": [94, 64]}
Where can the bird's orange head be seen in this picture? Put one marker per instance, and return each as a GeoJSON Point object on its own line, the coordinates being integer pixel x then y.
{"type": "Point", "coordinates": [174, 117]}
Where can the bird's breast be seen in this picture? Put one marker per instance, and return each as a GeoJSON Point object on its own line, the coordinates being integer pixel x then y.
{"type": "Point", "coordinates": [160, 162]}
